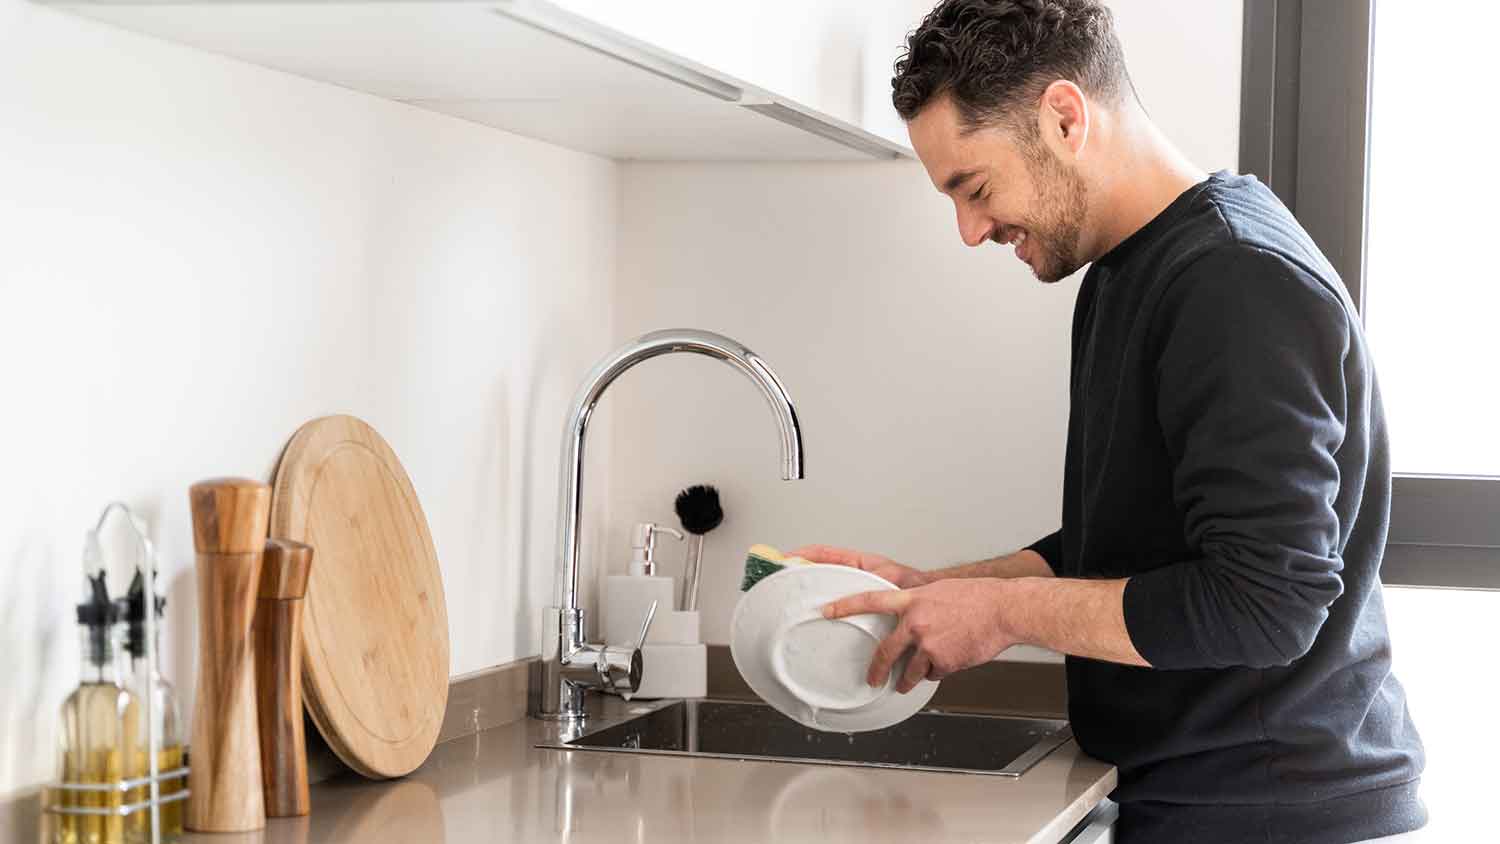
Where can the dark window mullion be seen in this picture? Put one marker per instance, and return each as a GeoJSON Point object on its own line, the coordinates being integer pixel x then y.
{"type": "Point", "coordinates": [1270, 89]}
{"type": "Point", "coordinates": [1333, 133]}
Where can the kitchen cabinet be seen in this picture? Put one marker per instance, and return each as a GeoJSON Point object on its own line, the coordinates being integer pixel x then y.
{"type": "Point", "coordinates": [1097, 828]}
{"type": "Point", "coordinates": [832, 55]}
{"type": "Point", "coordinates": [1096, 833]}
{"type": "Point", "coordinates": [527, 66]}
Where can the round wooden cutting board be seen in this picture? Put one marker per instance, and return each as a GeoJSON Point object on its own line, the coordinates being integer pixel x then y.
{"type": "Point", "coordinates": [375, 623]}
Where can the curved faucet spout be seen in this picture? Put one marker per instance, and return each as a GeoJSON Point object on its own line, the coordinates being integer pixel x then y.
{"type": "Point", "coordinates": [570, 489]}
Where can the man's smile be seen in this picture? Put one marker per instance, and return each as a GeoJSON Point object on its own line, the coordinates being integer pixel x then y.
{"type": "Point", "coordinates": [1017, 236]}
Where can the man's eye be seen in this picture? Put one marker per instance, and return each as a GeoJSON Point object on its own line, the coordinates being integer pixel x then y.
{"type": "Point", "coordinates": [976, 194]}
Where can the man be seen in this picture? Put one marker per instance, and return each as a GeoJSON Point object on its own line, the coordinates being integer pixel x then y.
{"type": "Point", "coordinates": [1226, 489]}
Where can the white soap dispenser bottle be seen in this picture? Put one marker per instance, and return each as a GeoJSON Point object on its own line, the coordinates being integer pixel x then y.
{"type": "Point", "coordinates": [628, 596]}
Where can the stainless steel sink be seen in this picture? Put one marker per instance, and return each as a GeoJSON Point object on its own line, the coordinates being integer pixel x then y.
{"type": "Point", "coordinates": [929, 741]}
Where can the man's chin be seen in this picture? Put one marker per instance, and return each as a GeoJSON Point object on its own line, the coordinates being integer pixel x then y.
{"type": "Point", "coordinates": [1050, 273]}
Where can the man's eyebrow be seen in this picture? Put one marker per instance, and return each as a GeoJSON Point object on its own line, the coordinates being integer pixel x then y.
{"type": "Point", "coordinates": [957, 179]}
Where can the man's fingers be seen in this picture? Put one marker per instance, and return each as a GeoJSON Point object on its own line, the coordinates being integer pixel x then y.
{"type": "Point", "coordinates": [830, 555]}
{"type": "Point", "coordinates": [917, 669]}
{"type": "Point", "coordinates": [882, 601]}
{"type": "Point", "coordinates": [887, 652]}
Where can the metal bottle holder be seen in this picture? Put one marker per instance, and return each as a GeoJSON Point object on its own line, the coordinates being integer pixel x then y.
{"type": "Point", "coordinates": [154, 777]}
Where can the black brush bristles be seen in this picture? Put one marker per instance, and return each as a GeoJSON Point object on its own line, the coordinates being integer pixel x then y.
{"type": "Point", "coordinates": [698, 508]}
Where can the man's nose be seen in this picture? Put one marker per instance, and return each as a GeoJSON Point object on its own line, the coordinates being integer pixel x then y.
{"type": "Point", "coordinates": [974, 228]}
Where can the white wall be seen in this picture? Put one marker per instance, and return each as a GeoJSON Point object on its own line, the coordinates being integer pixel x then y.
{"type": "Point", "coordinates": [930, 378]}
{"type": "Point", "coordinates": [924, 374]}
{"type": "Point", "coordinates": [196, 256]}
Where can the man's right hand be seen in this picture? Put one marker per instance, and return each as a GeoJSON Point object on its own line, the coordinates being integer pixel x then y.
{"type": "Point", "coordinates": [905, 577]}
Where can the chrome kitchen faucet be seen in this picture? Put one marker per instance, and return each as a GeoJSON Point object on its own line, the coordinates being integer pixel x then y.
{"type": "Point", "coordinates": [570, 664]}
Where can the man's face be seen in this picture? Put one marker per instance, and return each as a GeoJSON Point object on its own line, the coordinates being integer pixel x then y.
{"type": "Point", "coordinates": [1006, 189]}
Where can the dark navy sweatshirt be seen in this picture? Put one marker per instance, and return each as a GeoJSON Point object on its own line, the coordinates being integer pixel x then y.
{"type": "Point", "coordinates": [1227, 453]}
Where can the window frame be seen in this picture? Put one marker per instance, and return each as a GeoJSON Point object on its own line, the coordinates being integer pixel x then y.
{"type": "Point", "coordinates": [1305, 132]}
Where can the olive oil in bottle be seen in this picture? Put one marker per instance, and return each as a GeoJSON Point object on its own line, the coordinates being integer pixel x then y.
{"type": "Point", "coordinates": [100, 721]}
{"type": "Point", "coordinates": [142, 682]}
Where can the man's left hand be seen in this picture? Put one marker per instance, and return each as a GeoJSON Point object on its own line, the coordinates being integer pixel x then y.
{"type": "Point", "coordinates": [948, 625]}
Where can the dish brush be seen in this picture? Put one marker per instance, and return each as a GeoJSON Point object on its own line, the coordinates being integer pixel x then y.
{"type": "Point", "coordinates": [762, 561]}
{"type": "Point", "coordinates": [699, 511]}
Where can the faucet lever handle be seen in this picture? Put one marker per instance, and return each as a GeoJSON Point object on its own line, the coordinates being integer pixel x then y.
{"type": "Point", "coordinates": [621, 667]}
{"type": "Point", "coordinates": [646, 624]}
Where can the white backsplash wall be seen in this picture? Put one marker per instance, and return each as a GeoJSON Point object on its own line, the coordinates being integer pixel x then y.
{"type": "Point", "coordinates": [197, 255]}
{"type": "Point", "coordinates": [927, 377]}
{"type": "Point", "coordinates": [930, 378]}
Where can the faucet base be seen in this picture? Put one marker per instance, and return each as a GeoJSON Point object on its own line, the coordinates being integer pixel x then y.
{"type": "Point", "coordinates": [556, 697]}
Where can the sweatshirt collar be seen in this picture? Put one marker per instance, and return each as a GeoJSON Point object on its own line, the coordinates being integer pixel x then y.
{"type": "Point", "coordinates": [1141, 237]}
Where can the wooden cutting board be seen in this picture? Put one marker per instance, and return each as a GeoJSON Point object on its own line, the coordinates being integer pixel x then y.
{"type": "Point", "coordinates": [375, 622]}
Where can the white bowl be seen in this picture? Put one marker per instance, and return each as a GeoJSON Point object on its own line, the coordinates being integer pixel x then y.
{"type": "Point", "coordinates": [810, 668]}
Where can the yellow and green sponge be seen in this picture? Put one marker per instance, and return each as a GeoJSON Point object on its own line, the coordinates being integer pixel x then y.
{"type": "Point", "coordinates": [762, 561]}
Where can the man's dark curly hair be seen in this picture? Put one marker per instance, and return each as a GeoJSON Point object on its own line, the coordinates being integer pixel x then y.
{"type": "Point", "coordinates": [992, 56]}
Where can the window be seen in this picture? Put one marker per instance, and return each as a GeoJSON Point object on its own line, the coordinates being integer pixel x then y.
{"type": "Point", "coordinates": [1367, 118]}
{"type": "Point", "coordinates": [1431, 297]}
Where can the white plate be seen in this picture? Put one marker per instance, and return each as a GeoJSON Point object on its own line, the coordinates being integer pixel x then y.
{"type": "Point", "coordinates": [812, 669]}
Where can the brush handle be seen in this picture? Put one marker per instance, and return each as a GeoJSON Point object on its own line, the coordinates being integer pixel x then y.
{"type": "Point", "coordinates": [691, 569]}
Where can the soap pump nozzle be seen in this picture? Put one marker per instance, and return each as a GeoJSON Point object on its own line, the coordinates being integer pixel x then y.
{"type": "Point", "coordinates": [643, 546]}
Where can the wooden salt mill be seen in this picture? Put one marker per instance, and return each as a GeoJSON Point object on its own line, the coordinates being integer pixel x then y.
{"type": "Point", "coordinates": [229, 533]}
{"type": "Point", "coordinates": [278, 676]}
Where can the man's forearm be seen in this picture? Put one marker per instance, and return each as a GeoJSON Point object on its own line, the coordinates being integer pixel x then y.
{"type": "Point", "coordinates": [1024, 563]}
{"type": "Point", "coordinates": [1080, 617]}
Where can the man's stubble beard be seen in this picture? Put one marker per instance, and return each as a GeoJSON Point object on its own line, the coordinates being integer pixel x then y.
{"type": "Point", "coordinates": [1062, 200]}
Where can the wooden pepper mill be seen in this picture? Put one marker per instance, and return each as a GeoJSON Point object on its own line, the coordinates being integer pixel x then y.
{"type": "Point", "coordinates": [278, 676]}
{"type": "Point", "coordinates": [229, 533]}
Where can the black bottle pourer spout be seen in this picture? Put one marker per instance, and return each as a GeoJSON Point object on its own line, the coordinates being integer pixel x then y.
{"type": "Point", "coordinates": [134, 610]}
{"type": "Point", "coordinates": [98, 614]}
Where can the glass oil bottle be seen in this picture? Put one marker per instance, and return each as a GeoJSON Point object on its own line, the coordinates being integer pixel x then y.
{"type": "Point", "coordinates": [143, 681]}
{"type": "Point", "coordinates": [100, 726]}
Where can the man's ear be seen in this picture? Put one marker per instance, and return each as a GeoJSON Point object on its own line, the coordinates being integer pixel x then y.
{"type": "Point", "coordinates": [1064, 119]}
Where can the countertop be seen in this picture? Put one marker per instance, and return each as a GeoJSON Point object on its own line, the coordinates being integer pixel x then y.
{"type": "Point", "coordinates": [495, 786]}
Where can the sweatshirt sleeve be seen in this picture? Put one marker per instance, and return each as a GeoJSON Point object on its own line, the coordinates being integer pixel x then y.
{"type": "Point", "coordinates": [1049, 548]}
{"type": "Point", "coordinates": [1251, 401]}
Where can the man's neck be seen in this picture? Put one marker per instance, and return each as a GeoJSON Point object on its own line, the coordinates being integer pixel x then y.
{"type": "Point", "coordinates": [1150, 174]}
